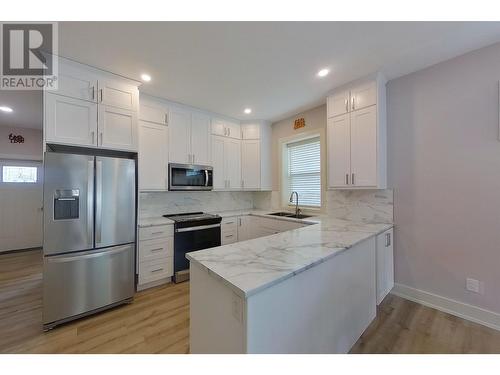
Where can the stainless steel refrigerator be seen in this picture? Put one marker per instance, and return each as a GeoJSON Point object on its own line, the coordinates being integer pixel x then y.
{"type": "Point", "coordinates": [89, 235]}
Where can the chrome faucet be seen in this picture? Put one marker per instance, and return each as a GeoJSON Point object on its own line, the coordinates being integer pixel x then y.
{"type": "Point", "coordinates": [297, 210]}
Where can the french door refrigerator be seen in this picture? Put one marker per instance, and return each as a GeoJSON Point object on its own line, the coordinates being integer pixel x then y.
{"type": "Point", "coordinates": [89, 235]}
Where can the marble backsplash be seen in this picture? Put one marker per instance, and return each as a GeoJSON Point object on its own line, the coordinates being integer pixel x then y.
{"type": "Point", "coordinates": [161, 203]}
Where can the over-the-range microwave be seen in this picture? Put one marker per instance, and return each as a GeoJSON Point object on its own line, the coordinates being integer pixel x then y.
{"type": "Point", "coordinates": [190, 177]}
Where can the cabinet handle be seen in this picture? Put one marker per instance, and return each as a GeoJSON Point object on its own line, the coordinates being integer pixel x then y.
{"type": "Point", "coordinates": [239, 221]}
{"type": "Point", "coordinates": [225, 131]}
{"type": "Point", "coordinates": [352, 179]}
{"type": "Point", "coordinates": [347, 178]}
{"type": "Point", "coordinates": [101, 95]}
{"type": "Point", "coordinates": [92, 135]}
{"type": "Point", "coordinates": [387, 239]}
{"type": "Point", "coordinates": [157, 270]}
{"type": "Point", "coordinates": [242, 184]}
{"type": "Point", "coordinates": [158, 249]}
{"type": "Point", "coordinates": [346, 105]}
{"type": "Point", "coordinates": [93, 92]}
{"type": "Point", "coordinates": [166, 118]}
{"type": "Point", "coordinates": [229, 222]}
{"type": "Point", "coordinates": [193, 158]}
{"type": "Point", "coordinates": [228, 236]}
{"type": "Point", "coordinates": [101, 139]}
{"type": "Point", "coordinates": [229, 131]}
{"type": "Point", "coordinates": [352, 105]}
{"type": "Point", "coordinates": [155, 233]}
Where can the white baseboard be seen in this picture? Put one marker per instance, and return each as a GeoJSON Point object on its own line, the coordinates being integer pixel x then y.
{"type": "Point", "coordinates": [463, 310]}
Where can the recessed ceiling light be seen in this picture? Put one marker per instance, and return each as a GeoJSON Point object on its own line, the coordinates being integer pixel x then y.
{"type": "Point", "coordinates": [248, 110]}
{"type": "Point", "coordinates": [323, 72]}
{"type": "Point", "coordinates": [5, 109]}
{"type": "Point", "coordinates": [145, 77]}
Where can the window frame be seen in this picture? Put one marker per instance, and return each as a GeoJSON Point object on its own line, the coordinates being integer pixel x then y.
{"type": "Point", "coordinates": [21, 163]}
{"type": "Point", "coordinates": [284, 186]}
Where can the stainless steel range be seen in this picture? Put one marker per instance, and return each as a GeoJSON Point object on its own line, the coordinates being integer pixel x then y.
{"type": "Point", "coordinates": [192, 231]}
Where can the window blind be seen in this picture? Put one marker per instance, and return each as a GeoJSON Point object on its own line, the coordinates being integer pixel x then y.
{"type": "Point", "coordinates": [304, 171]}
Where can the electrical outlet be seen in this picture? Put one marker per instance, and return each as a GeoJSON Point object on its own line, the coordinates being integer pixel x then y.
{"type": "Point", "coordinates": [474, 285]}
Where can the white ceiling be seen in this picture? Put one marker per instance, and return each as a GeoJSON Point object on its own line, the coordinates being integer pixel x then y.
{"type": "Point", "coordinates": [26, 106]}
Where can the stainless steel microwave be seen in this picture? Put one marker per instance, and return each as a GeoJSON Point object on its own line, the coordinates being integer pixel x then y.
{"type": "Point", "coordinates": [190, 177]}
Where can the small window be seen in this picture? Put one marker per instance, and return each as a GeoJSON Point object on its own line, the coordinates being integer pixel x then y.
{"type": "Point", "coordinates": [19, 174]}
{"type": "Point", "coordinates": [303, 172]}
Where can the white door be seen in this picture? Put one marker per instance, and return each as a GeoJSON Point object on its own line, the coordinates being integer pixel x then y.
{"type": "Point", "coordinates": [250, 164]}
{"type": "Point", "coordinates": [218, 127]}
{"type": "Point", "coordinates": [339, 151]}
{"type": "Point", "coordinates": [250, 131]}
{"type": "Point", "coordinates": [232, 160]}
{"type": "Point", "coordinates": [233, 130]}
{"type": "Point", "coordinates": [153, 156]}
{"type": "Point", "coordinates": [200, 139]}
{"type": "Point", "coordinates": [179, 136]}
{"type": "Point", "coordinates": [337, 104]}
{"type": "Point", "coordinates": [70, 121]}
{"type": "Point", "coordinates": [117, 128]}
{"type": "Point", "coordinates": [219, 177]}
{"type": "Point", "coordinates": [118, 94]}
{"type": "Point", "coordinates": [364, 95]}
{"type": "Point", "coordinates": [21, 200]}
{"type": "Point", "coordinates": [364, 147]}
{"type": "Point", "coordinates": [76, 83]}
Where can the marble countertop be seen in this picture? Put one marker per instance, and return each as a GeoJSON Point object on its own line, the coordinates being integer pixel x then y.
{"type": "Point", "coordinates": [154, 221]}
{"type": "Point", "coordinates": [251, 266]}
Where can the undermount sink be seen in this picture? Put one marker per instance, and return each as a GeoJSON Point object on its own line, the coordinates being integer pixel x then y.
{"type": "Point", "coordinates": [289, 214]}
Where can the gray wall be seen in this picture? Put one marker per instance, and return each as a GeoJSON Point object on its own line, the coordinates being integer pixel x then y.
{"type": "Point", "coordinates": [444, 166]}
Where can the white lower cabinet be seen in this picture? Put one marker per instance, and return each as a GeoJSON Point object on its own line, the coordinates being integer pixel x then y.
{"type": "Point", "coordinates": [385, 264]}
{"type": "Point", "coordinates": [155, 256]}
{"type": "Point", "coordinates": [229, 230]}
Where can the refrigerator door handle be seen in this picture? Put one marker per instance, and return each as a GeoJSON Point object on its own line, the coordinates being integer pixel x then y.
{"type": "Point", "coordinates": [98, 209]}
{"type": "Point", "coordinates": [90, 202]}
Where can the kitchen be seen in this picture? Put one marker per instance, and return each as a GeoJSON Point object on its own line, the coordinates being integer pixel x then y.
{"type": "Point", "coordinates": [177, 223]}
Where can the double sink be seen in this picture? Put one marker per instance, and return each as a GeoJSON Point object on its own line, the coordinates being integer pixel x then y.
{"type": "Point", "coordinates": [291, 215]}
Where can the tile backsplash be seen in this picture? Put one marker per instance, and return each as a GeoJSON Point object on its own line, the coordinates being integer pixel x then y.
{"type": "Point", "coordinates": [161, 203]}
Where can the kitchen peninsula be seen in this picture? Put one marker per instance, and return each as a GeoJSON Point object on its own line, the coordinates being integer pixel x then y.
{"type": "Point", "coordinates": [308, 290]}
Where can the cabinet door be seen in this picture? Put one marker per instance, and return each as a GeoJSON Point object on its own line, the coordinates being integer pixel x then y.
{"type": "Point", "coordinates": [385, 264]}
{"type": "Point", "coordinates": [232, 162]}
{"type": "Point", "coordinates": [337, 104]}
{"type": "Point", "coordinates": [117, 128]}
{"type": "Point", "coordinates": [250, 131]}
{"type": "Point", "coordinates": [233, 130]}
{"type": "Point", "coordinates": [218, 127]}
{"type": "Point", "coordinates": [152, 113]}
{"type": "Point", "coordinates": [118, 94]}
{"type": "Point", "coordinates": [153, 156]}
{"type": "Point", "coordinates": [219, 177]}
{"type": "Point", "coordinates": [179, 136]}
{"type": "Point", "coordinates": [76, 83]}
{"type": "Point", "coordinates": [339, 151]}
{"type": "Point", "coordinates": [200, 139]}
{"type": "Point", "coordinates": [363, 96]}
{"type": "Point", "coordinates": [250, 165]}
{"type": "Point", "coordinates": [364, 147]}
{"type": "Point", "coordinates": [70, 121]}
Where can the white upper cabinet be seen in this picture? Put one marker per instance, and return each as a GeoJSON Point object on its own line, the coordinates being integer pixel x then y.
{"type": "Point", "coordinates": [70, 121]}
{"type": "Point", "coordinates": [226, 128]}
{"type": "Point", "coordinates": [339, 151]}
{"type": "Point", "coordinates": [91, 108]}
{"type": "Point", "coordinates": [357, 136]}
{"type": "Point", "coordinates": [364, 147]}
{"type": "Point", "coordinates": [219, 178]}
{"type": "Point", "coordinates": [200, 139]}
{"type": "Point", "coordinates": [232, 163]}
{"type": "Point", "coordinates": [256, 156]}
{"type": "Point", "coordinates": [117, 128]}
{"type": "Point", "coordinates": [338, 104]}
{"type": "Point", "coordinates": [153, 146]}
{"type": "Point", "coordinates": [179, 136]}
{"type": "Point", "coordinates": [118, 94]}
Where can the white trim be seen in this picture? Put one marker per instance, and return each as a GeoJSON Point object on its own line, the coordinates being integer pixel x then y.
{"type": "Point", "coordinates": [463, 310]}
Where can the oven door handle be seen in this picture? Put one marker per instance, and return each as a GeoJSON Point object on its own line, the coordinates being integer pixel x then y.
{"type": "Point", "coordinates": [206, 177]}
{"type": "Point", "coordinates": [191, 229]}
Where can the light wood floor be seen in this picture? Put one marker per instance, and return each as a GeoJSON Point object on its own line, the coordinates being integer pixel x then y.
{"type": "Point", "coordinates": [158, 322]}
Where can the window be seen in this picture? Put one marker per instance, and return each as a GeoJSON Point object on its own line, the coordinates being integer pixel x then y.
{"type": "Point", "coordinates": [19, 174]}
{"type": "Point", "coordinates": [303, 171]}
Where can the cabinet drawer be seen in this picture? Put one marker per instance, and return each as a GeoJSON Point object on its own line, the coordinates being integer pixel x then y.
{"type": "Point", "coordinates": [160, 231]}
{"type": "Point", "coordinates": [229, 224]}
{"type": "Point", "coordinates": [156, 269]}
{"type": "Point", "coordinates": [228, 237]}
{"type": "Point", "coordinates": [156, 249]}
